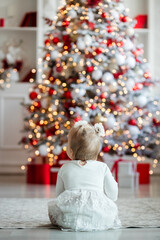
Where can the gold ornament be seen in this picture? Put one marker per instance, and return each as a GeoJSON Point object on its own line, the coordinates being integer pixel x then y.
{"type": "Point", "coordinates": [99, 119]}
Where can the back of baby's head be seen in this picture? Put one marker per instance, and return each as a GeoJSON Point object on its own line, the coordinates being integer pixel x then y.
{"type": "Point", "coordinates": [85, 140]}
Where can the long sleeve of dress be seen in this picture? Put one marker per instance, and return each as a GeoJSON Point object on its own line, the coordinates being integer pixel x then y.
{"type": "Point", "coordinates": [110, 185]}
{"type": "Point", "coordinates": [59, 186]}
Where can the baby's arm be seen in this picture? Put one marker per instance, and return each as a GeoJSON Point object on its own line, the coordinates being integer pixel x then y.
{"type": "Point", "coordinates": [59, 185]}
{"type": "Point", "coordinates": [110, 185]}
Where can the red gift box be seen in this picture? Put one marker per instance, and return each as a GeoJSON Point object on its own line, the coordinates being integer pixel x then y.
{"type": "Point", "coordinates": [144, 176]}
{"type": "Point", "coordinates": [54, 173]}
{"type": "Point", "coordinates": [142, 21]}
{"type": "Point", "coordinates": [38, 173]}
{"type": "Point", "coordinates": [2, 22]}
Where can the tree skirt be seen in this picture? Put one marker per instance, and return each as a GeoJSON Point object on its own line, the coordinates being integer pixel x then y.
{"type": "Point", "coordinates": [33, 212]}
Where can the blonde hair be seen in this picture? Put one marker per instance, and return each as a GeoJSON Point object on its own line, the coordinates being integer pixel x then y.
{"type": "Point", "coordinates": [84, 142]}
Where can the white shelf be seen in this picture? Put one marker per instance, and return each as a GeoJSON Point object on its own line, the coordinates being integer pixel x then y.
{"type": "Point", "coordinates": [18, 29]}
{"type": "Point", "coordinates": [142, 30]}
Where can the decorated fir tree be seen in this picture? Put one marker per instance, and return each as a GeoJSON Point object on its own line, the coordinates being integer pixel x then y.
{"type": "Point", "coordinates": [94, 71]}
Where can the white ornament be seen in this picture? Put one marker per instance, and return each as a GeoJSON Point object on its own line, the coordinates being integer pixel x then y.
{"type": "Point", "coordinates": [139, 71]}
{"type": "Point", "coordinates": [13, 75]}
{"type": "Point", "coordinates": [43, 150]}
{"type": "Point", "coordinates": [77, 93]}
{"type": "Point", "coordinates": [88, 40]}
{"type": "Point", "coordinates": [57, 150]}
{"type": "Point", "coordinates": [72, 14]}
{"type": "Point", "coordinates": [113, 87]}
{"type": "Point", "coordinates": [131, 62]}
{"type": "Point", "coordinates": [54, 55]}
{"type": "Point", "coordinates": [141, 101]}
{"type": "Point", "coordinates": [130, 83]}
{"type": "Point", "coordinates": [90, 16]}
{"type": "Point", "coordinates": [130, 31]}
{"type": "Point", "coordinates": [81, 44]}
{"type": "Point", "coordinates": [115, 14]}
{"type": "Point", "coordinates": [107, 77]}
{"type": "Point", "coordinates": [110, 123]}
{"type": "Point", "coordinates": [134, 131]}
{"type": "Point", "coordinates": [97, 74]}
{"type": "Point", "coordinates": [10, 58]}
{"type": "Point", "coordinates": [128, 46]}
{"type": "Point", "coordinates": [53, 107]}
{"type": "Point", "coordinates": [120, 59]}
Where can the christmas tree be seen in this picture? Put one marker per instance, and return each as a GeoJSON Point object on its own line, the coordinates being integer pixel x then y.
{"type": "Point", "coordinates": [94, 71]}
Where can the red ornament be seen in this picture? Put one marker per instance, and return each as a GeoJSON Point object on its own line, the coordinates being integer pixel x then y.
{"type": "Point", "coordinates": [110, 29]}
{"type": "Point", "coordinates": [56, 40]}
{"type": "Point", "coordinates": [110, 42]}
{"type": "Point", "coordinates": [104, 15]}
{"type": "Point", "coordinates": [68, 95]}
{"type": "Point", "coordinates": [37, 104]}
{"type": "Point", "coordinates": [106, 149]}
{"type": "Point", "coordinates": [120, 44]}
{"type": "Point", "coordinates": [33, 95]}
{"type": "Point", "coordinates": [93, 106]}
{"type": "Point", "coordinates": [132, 122]}
{"type": "Point", "coordinates": [137, 86]}
{"type": "Point", "coordinates": [34, 142]}
{"type": "Point", "coordinates": [103, 96]}
{"type": "Point", "coordinates": [124, 18]}
{"type": "Point", "coordinates": [77, 119]}
{"type": "Point", "coordinates": [51, 91]}
{"type": "Point", "coordinates": [91, 25]}
{"type": "Point", "coordinates": [93, 3]}
{"type": "Point", "coordinates": [98, 51]}
{"type": "Point", "coordinates": [136, 145]}
{"type": "Point", "coordinates": [147, 75]}
{"type": "Point", "coordinates": [47, 42]}
{"type": "Point", "coordinates": [156, 122]}
{"type": "Point", "coordinates": [90, 69]}
{"type": "Point", "coordinates": [65, 24]}
{"type": "Point", "coordinates": [59, 69]}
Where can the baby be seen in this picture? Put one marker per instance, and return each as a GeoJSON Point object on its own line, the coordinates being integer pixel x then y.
{"type": "Point", "coordinates": [85, 189]}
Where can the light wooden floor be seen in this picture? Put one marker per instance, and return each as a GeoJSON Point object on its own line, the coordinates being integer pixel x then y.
{"type": "Point", "coordinates": [15, 186]}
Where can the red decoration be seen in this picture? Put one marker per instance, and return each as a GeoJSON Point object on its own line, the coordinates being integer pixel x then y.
{"type": "Point", "coordinates": [91, 25]}
{"type": "Point", "coordinates": [103, 15]}
{"type": "Point", "coordinates": [98, 51]}
{"type": "Point", "coordinates": [120, 44]}
{"type": "Point", "coordinates": [143, 169]}
{"type": "Point", "coordinates": [137, 86]}
{"type": "Point", "coordinates": [59, 69]}
{"type": "Point", "coordinates": [132, 122]}
{"type": "Point", "coordinates": [147, 75]}
{"type": "Point", "coordinates": [110, 29]}
{"type": "Point", "coordinates": [103, 96]}
{"type": "Point", "coordinates": [38, 173]}
{"type": "Point", "coordinates": [136, 145]}
{"type": "Point", "coordinates": [33, 95]}
{"type": "Point", "coordinates": [156, 122]}
{"type": "Point", "coordinates": [138, 52]}
{"type": "Point", "coordinates": [106, 149]}
{"type": "Point", "coordinates": [124, 18]}
{"type": "Point", "coordinates": [141, 21]}
{"type": "Point", "coordinates": [93, 3]}
{"type": "Point", "coordinates": [68, 95]}
{"type": "Point", "coordinates": [34, 142]}
{"type": "Point", "coordinates": [56, 40]}
{"type": "Point", "coordinates": [65, 24]}
{"type": "Point", "coordinates": [93, 106]}
{"type": "Point", "coordinates": [77, 119]}
{"type": "Point", "coordinates": [37, 104]}
{"type": "Point", "coordinates": [90, 69]}
{"type": "Point", "coordinates": [110, 42]}
{"type": "Point", "coordinates": [47, 42]}
{"type": "Point", "coordinates": [51, 91]}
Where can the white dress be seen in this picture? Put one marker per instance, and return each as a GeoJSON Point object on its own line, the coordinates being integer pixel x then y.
{"type": "Point", "coordinates": [85, 198]}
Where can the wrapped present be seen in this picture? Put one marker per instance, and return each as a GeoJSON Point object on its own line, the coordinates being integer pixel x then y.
{"type": "Point", "coordinates": [38, 173]}
{"type": "Point", "coordinates": [129, 181]}
{"type": "Point", "coordinates": [141, 21]}
{"type": "Point", "coordinates": [123, 167]}
{"type": "Point", "coordinates": [144, 176]}
{"type": "Point", "coordinates": [54, 173]}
